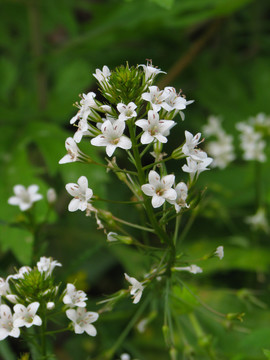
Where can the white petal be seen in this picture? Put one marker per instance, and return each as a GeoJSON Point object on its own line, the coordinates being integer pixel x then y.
{"type": "Point", "coordinates": [100, 140]}
{"type": "Point", "coordinates": [14, 200]}
{"type": "Point", "coordinates": [148, 189]}
{"type": "Point", "coordinates": [146, 138]}
{"type": "Point", "coordinates": [142, 124]}
{"type": "Point", "coordinates": [32, 308]}
{"type": "Point", "coordinates": [78, 329]}
{"type": "Point", "coordinates": [90, 330]}
{"type": "Point", "coordinates": [124, 143]}
{"type": "Point", "coordinates": [19, 189]}
{"type": "Point", "coordinates": [168, 181]}
{"type": "Point", "coordinates": [110, 148]}
{"type": "Point", "coordinates": [73, 189]}
{"type": "Point", "coordinates": [83, 182]}
{"type": "Point", "coordinates": [74, 205]}
{"type": "Point", "coordinates": [3, 334]}
{"type": "Point", "coordinates": [32, 189]}
{"type": "Point", "coordinates": [157, 201]}
{"type": "Point", "coordinates": [71, 314]}
{"type": "Point", "coordinates": [154, 178]}
{"type": "Point", "coordinates": [170, 194]}
{"type": "Point", "coordinates": [37, 321]}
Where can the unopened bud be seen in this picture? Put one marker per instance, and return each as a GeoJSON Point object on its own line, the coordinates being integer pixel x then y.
{"type": "Point", "coordinates": [173, 353]}
{"type": "Point", "coordinates": [112, 236]}
{"type": "Point", "coordinates": [177, 153]}
{"type": "Point", "coordinates": [51, 196]}
{"type": "Point", "coordinates": [50, 305]}
{"type": "Point", "coordinates": [235, 316]}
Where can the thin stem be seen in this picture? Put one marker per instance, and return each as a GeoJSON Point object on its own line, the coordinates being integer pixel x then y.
{"type": "Point", "coordinates": [97, 198]}
{"type": "Point", "coordinates": [132, 225]}
{"type": "Point", "coordinates": [156, 163]}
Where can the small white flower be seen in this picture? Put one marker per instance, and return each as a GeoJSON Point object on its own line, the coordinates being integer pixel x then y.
{"type": "Point", "coordinates": [47, 265]}
{"type": "Point", "coordinates": [73, 297]}
{"type": "Point", "coordinates": [20, 274]}
{"type": "Point", "coordinates": [159, 189]}
{"type": "Point", "coordinates": [222, 151]}
{"type": "Point", "coordinates": [26, 316]}
{"type": "Point", "coordinates": [175, 101]}
{"type": "Point", "coordinates": [196, 167]}
{"type": "Point", "coordinates": [150, 71]}
{"type": "Point", "coordinates": [194, 269]}
{"type": "Point", "coordinates": [83, 320]}
{"type": "Point", "coordinates": [51, 196]}
{"type": "Point", "coordinates": [182, 193]}
{"type": "Point", "coordinates": [24, 198]}
{"type": "Point", "coordinates": [126, 111]}
{"type": "Point", "coordinates": [112, 137]}
{"type": "Point", "coordinates": [154, 128]}
{"type": "Point", "coordinates": [219, 252]}
{"type": "Point", "coordinates": [74, 153]}
{"type": "Point", "coordinates": [85, 106]}
{"type": "Point", "coordinates": [189, 147]}
{"type": "Point", "coordinates": [125, 356]}
{"type": "Point", "coordinates": [103, 75]}
{"type": "Point", "coordinates": [83, 130]}
{"type": "Point", "coordinates": [82, 194]}
{"type": "Point", "coordinates": [213, 127]}
{"type": "Point", "coordinates": [50, 305]}
{"type": "Point", "coordinates": [155, 97]}
{"type": "Point", "coordinates": [7, 327]}
{"type": "Point", "coordinates": [136, 289]}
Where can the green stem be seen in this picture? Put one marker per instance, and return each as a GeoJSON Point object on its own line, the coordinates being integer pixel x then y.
{"type": "Point", "coordinates": [132, 225]}
{"type": "Point", "coordinates": [156, 163]}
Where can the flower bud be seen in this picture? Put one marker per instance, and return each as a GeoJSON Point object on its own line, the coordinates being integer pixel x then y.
{"type": "Point", "coordinates": [50, 305]}
{"type": "Point", "coordinates": [235, 316]}
{"type": "Point", "coordinates": [112, 237]}
{"type": "Point", "coordinates": [51, 196]}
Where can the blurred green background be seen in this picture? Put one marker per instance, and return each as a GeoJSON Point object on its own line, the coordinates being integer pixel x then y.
{"type": "Point", "coordinates": [218, 52]}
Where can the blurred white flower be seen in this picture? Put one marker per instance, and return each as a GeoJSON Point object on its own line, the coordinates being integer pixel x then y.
{"type": "Point", "coordinates": [82, 320]}
{"type": "Point", "coordinates": [82, 194]}
{"type": "Point", "coordinates": [258, 221]}
{"type": "Point", "coordinates": [73, 297]}
{"type": "Point", "coordinates": [159, 189]}
{"type": "Point", "coordinates": [4, 287]}
{"type": "Point", "coordinates": [7, 327]}
{"type": "Point", "coordinates": [112, 137]}
{"type": "Point", "coordinates": [51, 196]}
{"type": "Point", "coordinates": [251, 142]}
{"type": "Point", "coordinates": [222, 151]}
{"type": "Point", "coordinates": [26, 316]}
{"type": "Point", "coordinates": [213, 127]}
{"type": "Point", "coordinates": [154, 128]}
{"type": "Point", "coordinates": [136, 289]}
{"type": "Point", "coordinates": [194, 269]}
{"type": "Point", "coordinates": [24, 198]}
{"type": "Point", "coordinates": [219, 252]}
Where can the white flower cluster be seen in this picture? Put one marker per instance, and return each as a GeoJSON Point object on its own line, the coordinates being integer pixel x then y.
{"type": "Point", "coordinates": [24, 314]}
{"type": "Point", "coordinates": [221, 149]}
{"type": "Point", "coordinates": [259, 220]}
{"type": "Point", "coordinates": [109, 131]}
{"type": "Point", "coordinates": [252, 133]}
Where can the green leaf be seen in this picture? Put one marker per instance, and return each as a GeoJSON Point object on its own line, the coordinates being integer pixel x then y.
{"type": "Point", "coordinates": [19, 241]}
{"type": "Point", "coordinates": [182, 300]}
{"type": "Point", "coordinates": [266, 353]}
{"type": "Point", "coordinates": [164, 3]}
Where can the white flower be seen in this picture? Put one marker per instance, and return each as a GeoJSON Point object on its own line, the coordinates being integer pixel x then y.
{"type": "Point", "coordinates": [51, 196]}
{"type": "Point", "coordinates": [24, 198]}
{"type": "Point", "coordinates": [112, 137]}
{"type": "Point", "coordinates": [154, 128]}
{"type": "Point", "coordinates": [74, 153]}
{"type": "Point", "coordinates": [103, 75]}
{"type": "Point", "coordinates": [26, 316]}
{"type": "Point", "coordinates": [73, 297]}
{"type": "Point", "coordinates": [251, 143]}
{"type": "Point", "coordinates": [82, 194]}
{"type": "Point", "coordinates": [196, 167]}
{"type": "Point", "coordinates": [126, 111]}
{"type": "Point", "coordinates": [258, 221]}
{"type": "Point", "coordinates": [175, 101]}
{"type": "Point", "coordinates": [136, 289]}
{"type": "Point", "coordinates": [221, 150]}
{"type": "Point", "coordinates": [155, 97]}
{"type": "Point", "coordinates": [125, 356]}
{"type": "Point", "coordinates": [182, 193]}
{"type": "Point", "coordinates": [213, 127]}
{"type": "Point", "coordinates": [7, 327]}
{"type": "Point", "coordinates": [20, 273]}
{"type": "Point", "coordinates": [150, 71]}
{"type": "Point", "coordinates": [83, 320]}
{"type": "Point", "coordinates": [47, 265]}
{"type": "Point", "coordinates": [83, 130]}
{"type": "Point", "coordinates": [159, 189]}
{"type": "Point", "coordinates": [194, 269]}
{"type": "Point", "coordinates": [189, 147]}
{"type": "Point", "coordinates": [4, 287]}
{"type": "Point", "coordinates": [85, 106]}
{"type": "Point", "coordinates": [219, 252]}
